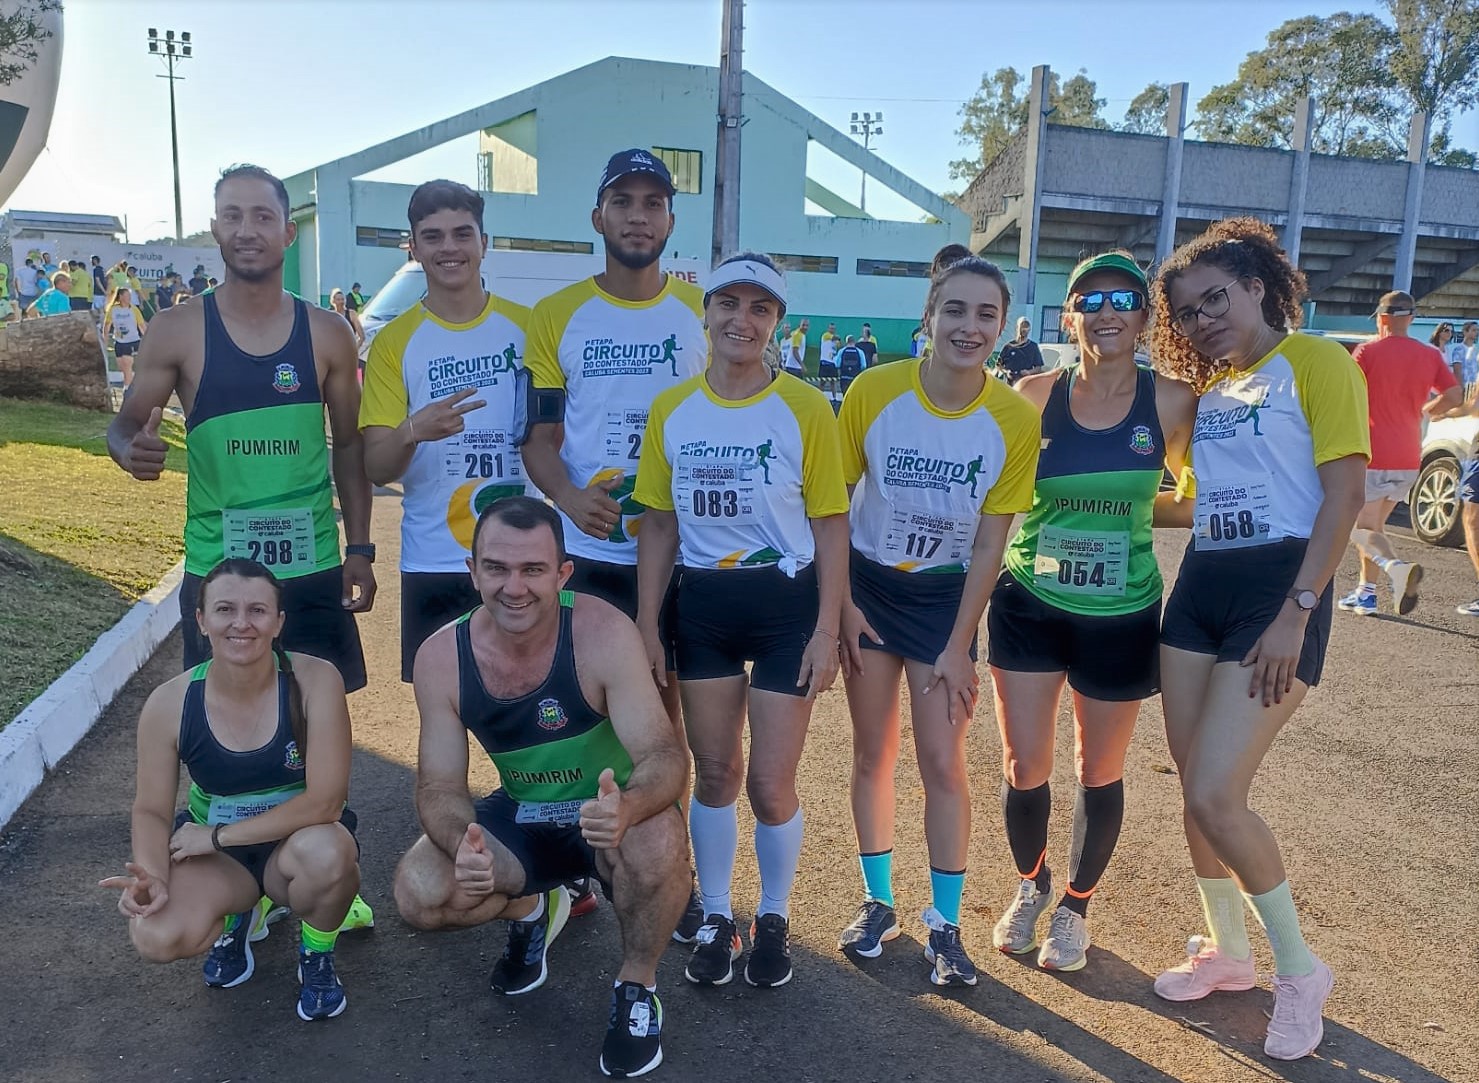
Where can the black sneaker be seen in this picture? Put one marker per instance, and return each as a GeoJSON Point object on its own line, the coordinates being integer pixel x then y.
{"type": "Point", "coordinates": [952, 966]}
{"type": "Point", "coordinates": [229, 963]}
{"type": "Point", "coordinates": [716, 946]}
{"type": "Point", "coordinates": [875, 924]}
{"type": "Point", "coordinates": [692, 919]}
{"type": "Point", "coordinates": [633, 1043]}
{"type": "Point", "coordinates": [769, 964]}
{"type": "Point", "coordinates": [523, 967]}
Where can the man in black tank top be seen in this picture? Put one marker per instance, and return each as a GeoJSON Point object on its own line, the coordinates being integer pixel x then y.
{"type": "Point", "coordinates": [556, 688]}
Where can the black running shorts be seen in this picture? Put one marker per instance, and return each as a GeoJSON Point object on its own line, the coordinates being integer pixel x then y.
{"type": "Point", "coordinates": [757, 615]}
{"type": "Point", "coordinates": [1223, 601]}
{"type": "Point", "coordinates": [428, 601]}
{"type": "Point", "coordinates": [544, 840]}
{"type": "Point", "coordinates": [253, 858]}
{"type": "Point", "coordinates": [617, 584]}
{"type": "Point", "coordinates": [913, 612]}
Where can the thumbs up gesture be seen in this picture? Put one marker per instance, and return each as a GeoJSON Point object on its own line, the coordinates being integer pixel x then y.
{"type": "Point", "coordinates": [473, 868]}
{"type": "Point", "coordinates": [603, 817]}
{"type": "Point", "coordinates": [146, 451]}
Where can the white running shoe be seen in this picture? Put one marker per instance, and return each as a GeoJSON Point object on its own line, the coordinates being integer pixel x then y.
{"type": "Point", "coordinates": [1016, 932]}
{"type": "Point", "coordinates": [1067, 945]}
{"type": "Point", "coordinates": [1405, 577]}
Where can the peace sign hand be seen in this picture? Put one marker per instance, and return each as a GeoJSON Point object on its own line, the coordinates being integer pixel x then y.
{"type": "Point", "coordinates": [142, 894]}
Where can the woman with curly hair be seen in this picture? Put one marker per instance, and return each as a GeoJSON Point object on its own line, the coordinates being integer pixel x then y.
{"type": "Point", "coordinates": [1279, 448]}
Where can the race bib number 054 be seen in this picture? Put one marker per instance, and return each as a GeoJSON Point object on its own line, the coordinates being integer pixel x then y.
{"type": "Point", "coordinates": [1083, 561]}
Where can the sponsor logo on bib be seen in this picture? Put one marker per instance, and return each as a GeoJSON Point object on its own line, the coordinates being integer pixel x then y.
{"type": "Point", "coordinates": [1141, 441]}
{"type": "Point", "coordinates": [285, 379]}
{"type": "Point", "coordinates": [551, 715]}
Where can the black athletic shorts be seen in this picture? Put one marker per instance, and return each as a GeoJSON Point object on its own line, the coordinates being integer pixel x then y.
{"type": "Point", "coordinates": [317, 624]}
{"type": "Point", "coordinates": [80, 304]}
{"type": "Point", "coordinates": [550, 853]}
{"type": "Point", "coordinates": [913, 612]}
{"type": "Point", "coordinates": [757, 615]}
{"type": "Point", "coordinates": [428, 601]}
{"type": "Point", "coordinates": [1225, 599]}
{"type": "Point", "coordinates": [1111, 658]}
{"type": "Point", "coordinates": [253, 858]}
{"type": "Point", "coordinates": [617, 584]}
{"type": "Point", "coordinates": [125, 349]}
{"type": "Point", "coordinates": [827, 370]}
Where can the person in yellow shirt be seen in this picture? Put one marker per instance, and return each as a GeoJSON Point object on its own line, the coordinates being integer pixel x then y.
{"type": "Point", "coordinates": [79, 291]}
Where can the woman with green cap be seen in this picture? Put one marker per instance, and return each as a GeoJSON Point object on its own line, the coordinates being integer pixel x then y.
{"type": "Point", "coordinates": [1080, 599]}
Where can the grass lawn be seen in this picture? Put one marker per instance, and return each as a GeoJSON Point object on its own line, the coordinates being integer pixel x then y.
{"type": "Point", "coordinates": [80, 541]}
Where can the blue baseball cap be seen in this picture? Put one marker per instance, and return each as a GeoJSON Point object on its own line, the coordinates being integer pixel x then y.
{"type": "Point", "coordinates": [624, 163]}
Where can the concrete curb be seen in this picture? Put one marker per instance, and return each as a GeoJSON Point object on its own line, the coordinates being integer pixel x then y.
{"type": "Point", "coordinates": [53, 723]}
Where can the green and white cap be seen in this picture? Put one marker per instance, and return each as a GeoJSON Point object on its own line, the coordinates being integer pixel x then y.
{"type": "Point", "coordinates": [1108, 261]}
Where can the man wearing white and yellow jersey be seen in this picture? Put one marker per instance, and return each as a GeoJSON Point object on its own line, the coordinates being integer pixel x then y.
{"type": "Point", "coordinates": [442, 389]}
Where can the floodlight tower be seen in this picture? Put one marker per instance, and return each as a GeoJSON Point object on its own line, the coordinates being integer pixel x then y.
{"type": "Point", "coordinates": [867, 125]}
{"type": "Point", "coordinates": [170, 48]}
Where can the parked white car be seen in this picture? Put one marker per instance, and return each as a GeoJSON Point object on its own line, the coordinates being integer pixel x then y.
{"type": "Point", "coordinates": [1433, 501]}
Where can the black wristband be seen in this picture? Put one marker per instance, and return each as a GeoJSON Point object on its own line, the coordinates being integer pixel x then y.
{"type": "Point", "coordinates": [367, 551]}
{"type": "Point", "coordinates": [216, 839]}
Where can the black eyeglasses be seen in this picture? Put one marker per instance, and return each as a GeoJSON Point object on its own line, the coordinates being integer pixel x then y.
{"type": "Point", "coordinates": [1119, 300]}
{"type": "Point", "coordinates": [1215, 304]}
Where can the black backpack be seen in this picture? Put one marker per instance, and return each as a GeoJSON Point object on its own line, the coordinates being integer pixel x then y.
{"type": "Point", "coordinates": [849, 361]}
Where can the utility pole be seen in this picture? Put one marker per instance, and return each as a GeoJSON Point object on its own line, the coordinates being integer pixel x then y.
{"type": "Point", "coordinates": [870, 125]}
{"type": "Point", "coordinates": [171, 48]}
{"type": "Point", "coordinates": [727, 151]}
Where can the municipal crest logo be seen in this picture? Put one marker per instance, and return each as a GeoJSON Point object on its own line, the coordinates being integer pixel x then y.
{"type": "Point", "coordinates": [551, 715]}
{"type": "Point", "coordinates": [293, 760]}
{"type": "Point", "coordinates": [285, 379]}
{"type": "Point", "coordinates": [1141, 441]}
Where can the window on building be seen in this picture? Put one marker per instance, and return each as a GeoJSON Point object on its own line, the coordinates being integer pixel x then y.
{"type": "Point", "coordinates": [532, 244]}
{"type": "Point", "coordinates": [893, 268]}
{"type": "Point", "coordinates": [822, 265]}
{"type": "Point", "coordinates": [371, 237]}
{"type": "Point", "coordinates": [686, 166]}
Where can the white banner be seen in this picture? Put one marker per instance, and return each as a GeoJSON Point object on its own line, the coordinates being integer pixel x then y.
{"type": "Point", "coordinates": [152, 260]}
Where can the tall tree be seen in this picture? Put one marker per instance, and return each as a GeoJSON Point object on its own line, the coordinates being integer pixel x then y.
{"type": "Point", "coordinates": [997, 111]}
{"type": "Point", "coordinates": [21, 32]}
{"type": "Point", "coordinates": [1147, 112]}
{"type": "Point", "coordinates": [1434, 63]}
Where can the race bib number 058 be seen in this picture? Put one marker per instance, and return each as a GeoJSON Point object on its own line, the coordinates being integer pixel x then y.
{"type": "Point", "coordinates": [1234, 514]}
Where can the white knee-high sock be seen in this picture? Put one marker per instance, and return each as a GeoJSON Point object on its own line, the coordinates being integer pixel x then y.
{"type": "Point", "coordinates": [777, 852]}
{"type": "Point", "coordinates": [715, 834]}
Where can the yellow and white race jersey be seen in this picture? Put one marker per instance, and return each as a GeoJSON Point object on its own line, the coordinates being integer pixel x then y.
{"type": "Point", "coordinates": [744, 476]}
{"type": "Point", "coordinates": [925, 476]}
{"type": "Point", "coordinates": [1261, 433]}
{"type": "Point", "coordinates": [417, 359]}
{"type": "Point", "coordinates": [612, 358]}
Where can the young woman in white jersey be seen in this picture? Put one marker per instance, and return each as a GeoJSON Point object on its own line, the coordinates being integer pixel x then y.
{"type": "Point", "coordinates": [741, 469]}
{"type": "Point", "coordinates": [941, 458]}
{"type": "Point", "coordinates": [124, 326]}
{"type": "Point", "coordinates": [1279, 448]}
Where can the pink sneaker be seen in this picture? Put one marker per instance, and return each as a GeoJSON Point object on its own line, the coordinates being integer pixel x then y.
{"type": "Point", "coordinates": [1205, 971]}
{"type": "Point", "coordinates": [1298, 1026]}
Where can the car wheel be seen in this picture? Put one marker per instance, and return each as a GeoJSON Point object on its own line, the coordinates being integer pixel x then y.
{"type": "Point", "coordinates": [1434, 502]}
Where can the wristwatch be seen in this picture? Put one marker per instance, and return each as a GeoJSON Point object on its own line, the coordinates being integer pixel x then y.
{"type": "Point", "coordinates": [1307, 600]}
{"type": "Point", "coordinates": [367, 551]}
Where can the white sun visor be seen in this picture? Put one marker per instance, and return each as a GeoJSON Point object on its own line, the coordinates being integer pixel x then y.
{"type": "Point", "coordinates": [750, 272]}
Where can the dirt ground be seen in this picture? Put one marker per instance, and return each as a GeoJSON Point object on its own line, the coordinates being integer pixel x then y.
{"type": "Point", "coordinates": [1371, 792]}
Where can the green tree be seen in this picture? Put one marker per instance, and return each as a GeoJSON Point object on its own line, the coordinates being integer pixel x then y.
{"type": "Point", "coordinates": [1434, 64]}
{"type": "Point", "coordinates": [998, 111]}
{"type": "Point", "coordinates": [21, 33]}
{"type": "Point", "coordinates": [1147, 112]}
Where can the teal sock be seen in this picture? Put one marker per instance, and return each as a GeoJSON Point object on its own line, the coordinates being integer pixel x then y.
{"type": "Point", "coordinates": [317, 940]}
{"type": "Point", "coordinates": [878, 876]}
{"type": "Point", "coordinates": [945, 891]}
{"type": "Point", "coordinates": [1275, 912]}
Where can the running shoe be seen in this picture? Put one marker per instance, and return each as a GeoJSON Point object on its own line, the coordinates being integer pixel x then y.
{"type": "Point", "coordinates": [1297, 1026]}
{"type": "Point", "coordinates": [229, 963]}
{"type": "Point", "coordinates": [691, 921]}
{"type": "Point", "coordinates": [1016, 932]}
{"type": "Point", "coordinates": [769, 964]}
{"type": "Point", "coordinates": [716, 946]}
{"type": "Point", "coordinates": [1205, 971]}
{"type": "Point", "coordinates": [875, 925]}
{"type": "Point", "coordinates": [583, 899]}
{"type": "Point", "coordinates": [1067, 945]}
{"type": "Point", "coordinates": [944, 952]}
{"type": "Point", "coordinates": [633, 1043]}
{"type": "Point", "coordinates": [266, 913]}
{"type": "Point", "coordinates": [1361, 603]}
{"type": "Point", "coordinates": [1405, 577]}
{"type": "Point", "coordinates": [321, 995]}
{"type": "Point", "coordinates": [525, 963]}
{"type": "Point", "coordinates": [360, 916]}
{"type": "Point", "coordinates": [1470, 610]}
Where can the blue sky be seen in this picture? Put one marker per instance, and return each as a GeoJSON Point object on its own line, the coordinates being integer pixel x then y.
{"type": "Point", "coordinates": [291, 83]}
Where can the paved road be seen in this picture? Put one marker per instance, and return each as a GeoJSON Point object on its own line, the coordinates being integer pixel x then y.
{"type": "Point", "coordinates": [1372, 792]}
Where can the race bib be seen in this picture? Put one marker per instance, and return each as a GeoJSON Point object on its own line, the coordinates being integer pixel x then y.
{"type": "Point", "coordinates": [563, 813]}
{"type": "Point", "coordinates": [282, 538]}
{"type": "Point", "coordinates": [920, 536]}
{"type": "Point", "coordinates": [1082, 561]}
{"type": "Point", "coordinates": [483, 454]}
{"type": "Point", "coordinates": [622, 434]}
{"type": "Point", "coordinates": [718, 492]}
{"type": "Point", "coordinates": [243, 806]}
{"type": "Point", "coordinates": [1234, 514]}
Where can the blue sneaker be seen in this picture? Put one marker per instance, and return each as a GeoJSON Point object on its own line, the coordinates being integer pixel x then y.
{"type": "Point", "coordinates": [945, 953]}
{"type": "Point", "coordinates": [1362, 603]}
{"type": "Point", "coordinates": [229, 963]}
{"type": "Point", "coordinates": [322, 997]}
{"type": "Point", "coordinates": [1470, 610]}
{"type": "Point", "coordinates": [524, 966]}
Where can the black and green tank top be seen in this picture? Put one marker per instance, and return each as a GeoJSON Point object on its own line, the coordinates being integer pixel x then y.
{"type": "Point", "coordinates": [1086, 545]}
{"type": "Point", "coordinates": [259, 461]}
{"type": "Point", "coordinates": [225, 785]}
{"type": "Point", "coordinates": [549, 746]}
